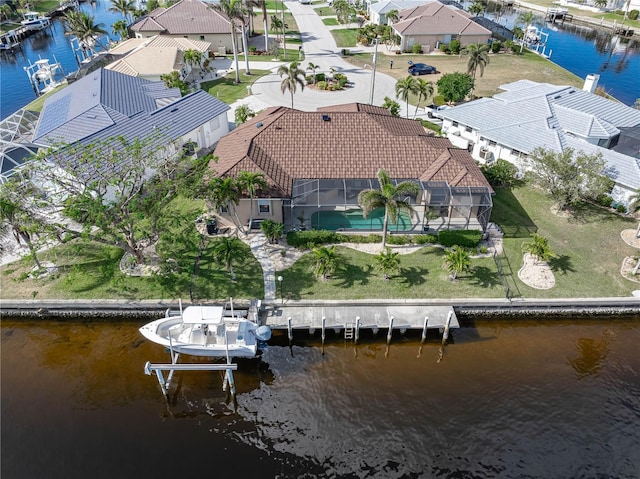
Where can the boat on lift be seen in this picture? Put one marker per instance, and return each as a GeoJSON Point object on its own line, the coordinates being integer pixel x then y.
{"type": "Point", "coordinates": [209, 331]}
{"type": "Point", "coordinates": [34, 21]}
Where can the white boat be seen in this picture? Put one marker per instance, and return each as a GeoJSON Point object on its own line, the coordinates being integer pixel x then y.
{"type": "Point", "coordinates": [210, 331]}
{"type": "Point", "coordinates": [35, 21]}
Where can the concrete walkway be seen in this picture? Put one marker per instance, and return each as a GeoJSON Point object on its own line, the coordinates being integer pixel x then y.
{"type": "Point", "coordinates": [257, 243]}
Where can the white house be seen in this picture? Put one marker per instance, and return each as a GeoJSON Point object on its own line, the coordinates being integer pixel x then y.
{"type": "Point", "coordinates": [529, 115]}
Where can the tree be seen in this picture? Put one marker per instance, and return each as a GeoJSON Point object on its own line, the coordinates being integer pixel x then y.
{"type": "Point", "coordinates": [387, 262]}
{"type": "Point", "coordinates": [454, 87]}
{"type": "Point", "coordinates": [250, 182]}
{"type": "Point", "coordinates": [107, 189]}
{"type": "Point", "coordinates": [476, 8]}
{"type": "Point", "coordinates": [342, 9]}
{"type": "Point", "coordinates": [5, 12]}
{"type": "Point", "coordinates": [232, 9]}
{"type": "Point", "coordinates": [538, 248]}
{"type": "Point", "coordinates": [500, 174]}
{"type": "Point", "coordinates": [224, 193]}
{"type": "Point", "coordinates": [478, 58]}
{"type": "Point", "coordinates": [272, 230]}
{"type": "Point", "coordinates": [391, 105]}
{"type": "Point", "coordinates": [293, 76]}
{"type": "Point", "coordinates": [393, 198]}
{"type": "Point", "coordinates": [242, 114]}
{"type": "Point", "coordinates": [526, 18]}
{"type": "Point", "coordinates": [152, 5]}
{"type": "Point", "coordinates": [424, 89]}
{"type": "Point", "coordinates": [192, 57]}
{"type": "Point", "coordinates": [404, 88]}
{"type": "Point", "coordinates": [126, 7]}
{"type": "Point", "coordinates": [83, 27]}
{"type": "Point", "coordinates": [173, 80]}
{"type": "Point", "coordinates": [600, 3]}
{"type": "Point", "coordinates": [457, 259]}
{"type": "Point", "coordinates": [313, 67]}
{"type": "Point", "coordinates": [120, 28]}
{"type": "Point", "coordinates": [325, 260]}
{"type": "Point", "coordinates": [567, 176]}
{"type": "Point", "coordinates": [393, 16]}
{"type": "Point", "coordinates": [227, 250]}
{"type": "Point", "coordinates": [263, 6]}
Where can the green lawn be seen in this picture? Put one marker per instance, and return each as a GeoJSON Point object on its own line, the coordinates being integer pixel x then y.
{"type": "Point", "coordinates": [227, 90]}
{"type": "Point", "coordinates": [345, 37]}
{"type": "Point", "coordinates": [324, 11]}
{"type": "Point", "coordinates": [587, 244]}
{"type": "Point", "coordinates": [422, 276]}
{"type": "Point", "coordinates": [330, 21]}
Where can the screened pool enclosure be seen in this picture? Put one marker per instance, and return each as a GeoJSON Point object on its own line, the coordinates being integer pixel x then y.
{"type": "Point", "coordinates": [333, 204]}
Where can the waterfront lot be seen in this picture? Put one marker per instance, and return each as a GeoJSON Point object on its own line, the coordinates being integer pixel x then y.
{"type": "Point", "coordinates": [588, 247]}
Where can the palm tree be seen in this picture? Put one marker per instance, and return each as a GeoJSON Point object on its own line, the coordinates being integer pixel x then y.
{"type": "Point", "coordinates": [478, 58]}
{"type": "Point", "coordinates": [225, 194]}
{"type": "Point", "coordinates": [476, 9]}
{"type": "Point", "coordinates": [526, 18]}
{"type": "Point", "coordinates": [457, 259]}
{"type": "Point", "coordinates": [120, 28]}
{"type": "Point", "coordinates": [388, 197]}
{"type": "Point", "coordinates": [126, 7]}
{"type": "Point", "coordinates": [424, 89]}
{"type": "Point", "coordinates": [313, 67]}
{"type": "Point", "coordinates": [293, 76]}
{"type": "Point", "coordinates": [250, 182]}
{"type": "Point", "coordinates": [242, 114]}
{"type": "Point", "coordinates": [388, 261]}
{"type": "Point", "coordinates": [538, 248]}
{"type": "Point", "coordinates": [391, 105]}
{"type": "Point", "coordinates": [405, 87]}
{"type": "Point", "coordinates": [82, 26]}
{"type": "Point", "coordinates": [192, 57]}
{"type": "Point", "coordinates": [272, 230]}
{"type": "Point", "coordinates": [600, 3]}
{"type": "Point", "coordinates": [232, 9]}
{"type": "Point", "coordinates": [325, 260]}
{"type": "Point", "coordinates": [227, 250]}
{"type": "Point", "coordinates": [263, 5]}
{"type": "Point", "coordinates": [392, 16]}
{"type": "Point", "coordinates": [5, 12]}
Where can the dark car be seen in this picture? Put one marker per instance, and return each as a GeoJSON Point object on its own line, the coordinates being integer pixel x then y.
{"type": "Point", "coordinates": [421, 69]}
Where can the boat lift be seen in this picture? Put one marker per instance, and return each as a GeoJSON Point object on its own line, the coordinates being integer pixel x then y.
{"type": "Point", "coordinates": [165, 385]}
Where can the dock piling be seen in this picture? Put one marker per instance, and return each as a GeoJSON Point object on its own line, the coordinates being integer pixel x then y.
{"type": "Point", "coordinates": [357, 328]}
{"type": "Point", "coordinates": [324, 324]}
{"type": "Point", "coordinates": [445, 335]}
{"type": "Point", "coordinates": [390, 330]}
{"type": "Point", "coordinates": [290, 329]}
{"type": "Point", "coordinates": [424, 329]}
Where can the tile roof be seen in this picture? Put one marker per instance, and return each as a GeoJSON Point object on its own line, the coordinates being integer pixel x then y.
{"type": "Point", "coordinates": [186, 17]}
{"type": "Point", "coordinates": [345, 141]}
{"type": "Point", "coordinates": [434, 18]}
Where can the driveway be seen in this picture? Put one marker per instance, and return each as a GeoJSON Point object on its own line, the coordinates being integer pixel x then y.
{"type": "Point", "coordinates": [320, 48]}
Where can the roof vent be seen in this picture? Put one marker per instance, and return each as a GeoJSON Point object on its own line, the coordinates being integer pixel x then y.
{"type": "Point", "coordinates": [173, 110]}
{"type": "Point", "coordinates": [326, 118]}
{"type": "Point", "coordinates": [259, 124]}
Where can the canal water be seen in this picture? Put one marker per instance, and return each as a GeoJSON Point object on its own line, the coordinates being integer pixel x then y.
{"type": "Point", "coordinates": [581, 51]}
{"type": "Point", "coordinates": [505, 399]}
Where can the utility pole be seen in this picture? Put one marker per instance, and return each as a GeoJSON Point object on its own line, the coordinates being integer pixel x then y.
{"type": "Point", "coordinates": [373, 74]}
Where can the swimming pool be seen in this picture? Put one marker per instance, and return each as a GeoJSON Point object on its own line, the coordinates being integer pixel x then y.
{"type": "Point", "coordinates": [353, 219]}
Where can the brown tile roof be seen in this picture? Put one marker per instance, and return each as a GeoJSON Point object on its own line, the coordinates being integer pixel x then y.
{"type": "Point", "coordinates": [437, 19]}
{"type": "Point", "coordinates": [288, 144]}
{"type": "Point", "coordinates": [187, 17]}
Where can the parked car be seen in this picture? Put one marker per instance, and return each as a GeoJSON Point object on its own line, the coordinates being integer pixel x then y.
{"type": "Point", "coordinates": [421, 69]}
{"type": "Point", "coordinates": [437, 112]}
{"type": "Point", "coordinates": [305, 2]}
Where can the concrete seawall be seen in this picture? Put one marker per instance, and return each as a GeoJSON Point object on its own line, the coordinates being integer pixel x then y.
{"type": "Point", "coordinates": [466, 309]}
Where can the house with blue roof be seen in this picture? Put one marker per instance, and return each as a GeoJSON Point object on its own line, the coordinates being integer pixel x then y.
{"type": "Point", "coordinates": [107, 104]}
{"type": "Point", "coordinates": [528, 115]}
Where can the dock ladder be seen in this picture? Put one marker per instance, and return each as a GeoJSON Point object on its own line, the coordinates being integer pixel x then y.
{"type": "Point", "coordinates": [348, 331]}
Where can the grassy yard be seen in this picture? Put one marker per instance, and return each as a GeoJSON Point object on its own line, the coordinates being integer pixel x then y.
{"type": "Point", "coordinates": [90, 270]}
{"type": "Point", "coordinates": [292, 28]}
{"type": "Point", "coordinates": [324, 11]}
{"type": "Point", "coordinates": [227, 90]}
{"type": "Point", "coordinates": [502, 68]}
{"type": "Point", "coordinates": [345, 37]}
{"type": "Point", "coordinates": [330, 21]}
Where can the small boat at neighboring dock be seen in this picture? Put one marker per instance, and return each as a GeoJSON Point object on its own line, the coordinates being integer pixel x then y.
{"type": "Point", "coordinates": [34, 21]}
{"type": "Point", "coordinates": [210, 331]}
{"type": "Point", "coordinates": [44, 76]}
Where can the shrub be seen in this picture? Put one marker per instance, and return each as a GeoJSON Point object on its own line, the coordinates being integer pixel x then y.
{"type": "Point", "coordinates": [322, 85]}
{"type": "Point", "coordinates": [342, 83]}
{"type": "Point", "coordinates": [483, 250]}
{"type": "Point", "coordinates": [339, 76]}
{"type": "Point", "coordinates": [438, 100]}
{"type": "Point", "coordinates": [320, 77]}
{"type": "Point", "coordinates": [621, 208]}
{"type": "Point", "coordinates": [431, 126]}
{"type": "Point", "coordinates": [252, 49]}
{"type": "Point", "coordinates": [464, 238]}
{"type": "Point", "coordinates": [398, 239]}
{"type": "Point", "coordinates": [312, 237]}
{"type": "Point", "coordinates": [455, 46]}
{"type": "Point", "coordinates": [416, 48]}
{"type": "Point", "coordinates": [604, 200]}
{"type": "Point", "coordinates": [309, 79]}
{"type": "Point", "coordinates": [495, 47]}
{"type": "Point", "coordinates": [633, 14]}
{"type": "Point", "coordinates": [425, 239]}
{"type": "Point", "coordinates": [500, 174]}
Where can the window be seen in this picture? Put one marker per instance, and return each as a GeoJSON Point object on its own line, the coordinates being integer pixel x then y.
{"type": "Point", "coordinates": [264, 207]}
{"type": "Point", "coordinates": [224, 209]}
{"type": "Point", "coordinates": [467, 129]}
{"type": "Point", "coordinates": [492, 143]}
{"type": "Point", "coordinates": [455, 123]}
{"type": "Point", "coordinates": [202, 37]}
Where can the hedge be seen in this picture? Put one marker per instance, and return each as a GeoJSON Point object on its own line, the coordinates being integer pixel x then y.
{"type": "Point", "coordinates": [466, 238]}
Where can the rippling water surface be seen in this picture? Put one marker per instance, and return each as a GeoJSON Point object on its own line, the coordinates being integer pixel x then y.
{"type": "Point", "coordinates": [535, 399]}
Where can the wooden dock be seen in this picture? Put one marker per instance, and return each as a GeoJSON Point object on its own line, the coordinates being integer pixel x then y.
{"type": "Point", "coordinates": [351, 318]}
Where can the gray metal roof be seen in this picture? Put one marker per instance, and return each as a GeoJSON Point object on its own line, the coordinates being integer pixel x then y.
{"type": "Point", "coordinates": [90, 105]}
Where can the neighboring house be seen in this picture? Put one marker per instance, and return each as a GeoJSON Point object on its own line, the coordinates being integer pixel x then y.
{"type": "Point", "coordinates": [192, 19]}
{"type": "Point", "coordinates": [107, 104]}
{"type": "Point", "coordinates": [316, 164]}
{"type": "Point", "coordinates": [529, 115]}
{"type": "Point", "coordinates": [150, 58]}
{"type": "Point", "coordinates": [378, 11]}
{"type": "Point", "coordinates": [431, 24]}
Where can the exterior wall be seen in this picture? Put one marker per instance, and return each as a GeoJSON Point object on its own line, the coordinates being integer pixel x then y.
{"type": "Point", "coordinates": [244, 210]}
{"type": "Point", "coordinates": [430, 43]}
{"type": "Point", "coordinates": [216, 40]}
{"type": "Point", "coordinates": [208, 134]}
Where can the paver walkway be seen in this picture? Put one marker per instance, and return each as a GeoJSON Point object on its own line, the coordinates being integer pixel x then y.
{"type": "Point", "coordinates": [257, 243]}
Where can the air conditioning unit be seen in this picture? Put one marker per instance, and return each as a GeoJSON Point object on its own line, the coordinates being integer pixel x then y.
{"type": "Point", "coordinates": [486, 155]}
